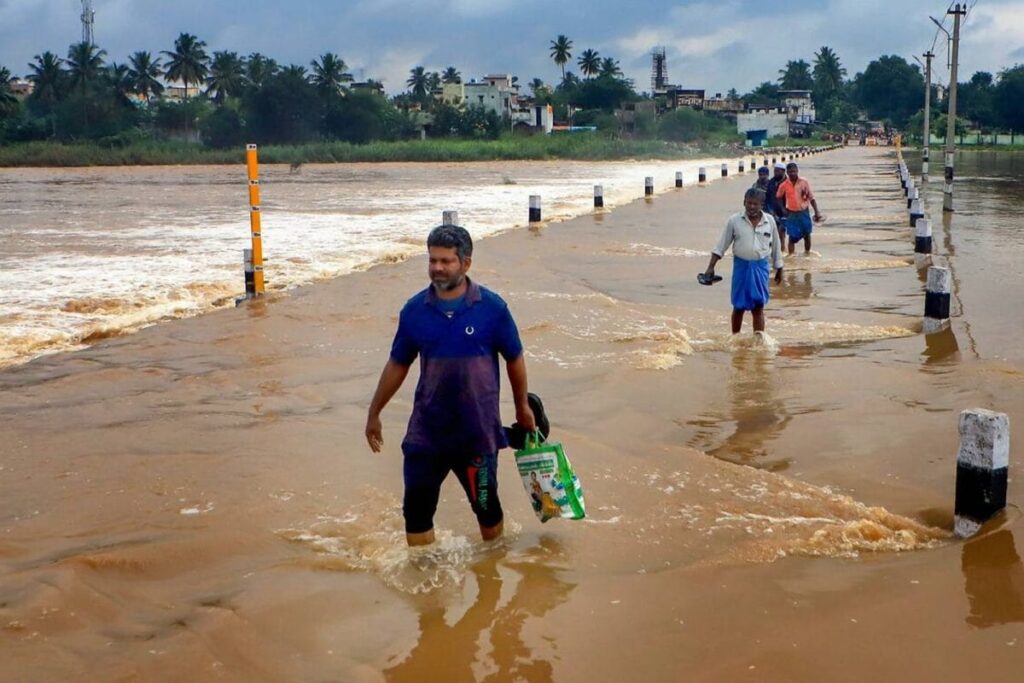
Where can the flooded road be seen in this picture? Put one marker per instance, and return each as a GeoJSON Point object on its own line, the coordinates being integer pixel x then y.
{"type": "Point", "coordinates": [196, 501]}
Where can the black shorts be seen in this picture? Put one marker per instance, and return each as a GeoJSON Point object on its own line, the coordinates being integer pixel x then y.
{"type": "Point", "coordinates": [424, 472]}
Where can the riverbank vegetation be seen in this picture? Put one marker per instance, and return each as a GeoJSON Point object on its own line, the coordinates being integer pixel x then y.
{"type": "Point", "coordinates": [83, 109]}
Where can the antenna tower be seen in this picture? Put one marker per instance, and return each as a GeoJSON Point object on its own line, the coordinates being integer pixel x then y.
{"type": "Point", "coordinates": [88, 18]}
{"type": "Point", "coordinates": [659, 71]}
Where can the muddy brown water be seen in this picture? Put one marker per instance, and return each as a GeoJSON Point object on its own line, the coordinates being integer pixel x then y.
{"type": "Point", "coordinates": [196, 501]}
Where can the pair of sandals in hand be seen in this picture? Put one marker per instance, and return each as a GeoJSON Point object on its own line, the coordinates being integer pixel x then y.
{"type": "Point", "coordinates": [516, 434]}
{"type": "Point", "coordinates": [704, 279]}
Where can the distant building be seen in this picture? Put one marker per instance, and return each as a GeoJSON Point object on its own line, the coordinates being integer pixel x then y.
{"type": "Point", "coordinates": [495, 93]}
{"type": "Point", "coordinates": [21, 89]}
{"type": "Point", "coordinates": [453, 94]}
{"type": "Point", "coordinates": [368, 86]}
{"type": "Point", "coordinates": [684, 97]}
{"type": "Point", "coordinates": [773, 122]}
{"type": "Point", "coordinates": [723, 104]}
{"type": "Point", "coordinates": [179, 93]}
{"type": "Point", "coordinates": [799, 105]}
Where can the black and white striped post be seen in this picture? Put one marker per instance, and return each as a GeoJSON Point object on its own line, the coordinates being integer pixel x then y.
{"type": "Point", "coordinates": [774, 160]}
{"type": "Point", "coordinates": [679, 178]}
{"type": "Point", "coordinates": [915, 211]}
{"type": "Point", "coordinates": [250, 273]}
{"type": "Point", "coordinates": [725, 170]}
{"type": "Point", "coordinates": [753, 164]}
{"type": "Point", "coordinates": [981, 469]}
{"type": "Point", "coordinates": [936, 298]}
{"type": "Point", "coordinates": [765, 162]}
{"type": "Point", "coordinates": [923, 236]}
{"type": "Point", "coordinates": [535, 208]}
{"type": "Point", "coordinates": [598, 197]}
{"type": "Point", "coordinates": [741, 169]}
{"type": "Point", "coordinates": [449, 217]}
{"type": "Point", "coordinates": [649, 186]}
{"type": "Point", "coordinates": [702, 175]}
{"type": "Point", "coordinates": [912, 194]}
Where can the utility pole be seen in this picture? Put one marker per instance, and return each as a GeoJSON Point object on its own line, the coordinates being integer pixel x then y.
{"type": "Point", "coordinates": [957, 11]}
{"type": "Point", "coordinates": [927, 114]}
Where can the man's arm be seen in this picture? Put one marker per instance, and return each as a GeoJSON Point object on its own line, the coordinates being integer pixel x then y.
{"type": "Point", "coordinates": [776, 254]}
{"type": "Point", "coordinates": [719, 251]}
{"type": "Point", "coordinates": [390, 381]}
{"type": "Point", "coordinates": [517, 378]}
{"type": "Point", "coordinates": [817, 213]}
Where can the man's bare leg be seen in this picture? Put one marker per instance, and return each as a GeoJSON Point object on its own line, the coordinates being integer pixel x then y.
{"type": "Point", "coordinates": [758, 315]}
{"type": "Point", "coordinates": [807, 244]}
{"type": "Point", "coordinates": [422, 538]}
{"type": "Point", "coordinates": [737, 320]}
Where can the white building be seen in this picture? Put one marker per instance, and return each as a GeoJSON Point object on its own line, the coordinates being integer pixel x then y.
{"type": "Point", "coordinates": [799, 105]}
{"type": "Point", "coordinates": [773, 121]}
{"type": "Point", "coordinates": [495, 93]}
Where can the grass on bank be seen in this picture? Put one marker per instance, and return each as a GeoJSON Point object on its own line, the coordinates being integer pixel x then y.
{"type": "Point", "coordinates": [583, 147]}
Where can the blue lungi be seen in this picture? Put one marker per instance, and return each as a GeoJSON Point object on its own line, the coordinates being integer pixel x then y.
{"type": "Point", "coordinates": [749, 283]}
{"type": "Point", "coordinates": [799, 225]}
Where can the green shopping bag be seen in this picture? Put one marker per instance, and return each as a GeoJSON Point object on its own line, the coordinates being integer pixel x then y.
{"type": "Point", "coordinates": [549, 480]}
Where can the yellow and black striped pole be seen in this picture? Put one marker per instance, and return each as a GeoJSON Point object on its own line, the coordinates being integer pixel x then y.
{"type": "Point", "coordinates": [254, 286]}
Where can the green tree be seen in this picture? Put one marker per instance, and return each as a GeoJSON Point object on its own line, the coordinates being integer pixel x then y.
{"type": "Point", "coordinates": [226, 76]}
{"type": "Point", "coordinates": [828, 75]}
{"type": "Point", "coordinates": [358, 118]}
{"type": "Point", "coordinates": [295, 71]}
{"type": "Point", "coordinates": [589, 63]}
{"type": "Point", "coordinates": [418, 82]}
{"type": "Point", "coordinates": [258, 69]}
{"type": "Point", "coordinates": [120, 81]}
{"type": "Point", "coordinates": [49, 87]}
{"type": "Point", "coordinates": [330, 73]}
{"type": "Point", "coordinates": [188, 62]}
{"type": "Point", "coordinates": [976, 100]}
{"type": "Point", "coordinates": [223, 129]}
{"type": "Point", "coordinates": [889, 88]}
{"type": "Point", "coordinates": [8, 102]}
{"type": "Point", "coordinates": [561, 52]}
{"type": "Point", "coordinates": [451, 75]}
{"type": "Point", "coordinates": [796, 76]}
{"type": "Point", "coordinates": [85, 65]}
{"type": "Point", "coordinates": [1009, 94]}
{"type": "Point", "coordinates": [145, 73]}
{"type": "Point", "coordinates": [610, 68]}
{"type": "Point", "coordinates": [286, 110]}
{"type": "Point", "coordinates": [764, 95]}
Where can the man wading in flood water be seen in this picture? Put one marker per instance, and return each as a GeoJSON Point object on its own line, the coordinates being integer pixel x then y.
{"type": "Point", "coordinates": [798, 199]}
{"type": "Point", "coordinates": [457, 328]}
{"type": "Point", "coordinates": [754, 240]}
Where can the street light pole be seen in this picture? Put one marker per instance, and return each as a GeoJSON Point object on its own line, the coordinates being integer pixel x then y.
{"type": "Point", "coordinates": [947, 192]}
{"type": "Point", "coordinates": [927, 114]}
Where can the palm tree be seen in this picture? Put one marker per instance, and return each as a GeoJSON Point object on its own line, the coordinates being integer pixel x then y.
{"type": "Point", "coordinates": [537, 87]}
{"type": "Point", "coordinates": [85, 65]}
{"type": "Point", "coordinates": [227, 76]}
{"type": "Point", "coordinates": [188, 62]}
{"type": "Point", "coordinates": [433, 81]}
{"type": "Point", "coordinates": [330, 74]}
{"type": "Point", "coordinates": [418, 82]}
{"type": "Point", "coordinates": [296, 71]}
{"type": "Point", "coordinates": [561, 52]}
{"type": "Point", "coordinates": [8, 102]}
{"type": "Point", "coordinates": [259, 68]}
{"type": "Point", "coordinates": [451, 75]}
{"type": "Point", "coordinates": [610, 68]}
{"type": "Point", "coordinates": [589, 63]}
{"type": "Point", "coordinates": [796, 76]}
{"type": "Point", "coordinates": [119, 77]}
{"type": "Point", "coordinates": [47, 76]}
{"type": "Point", "coordinates": [145, 73]}
{"type": "Point", "coordinates": [828, 72]}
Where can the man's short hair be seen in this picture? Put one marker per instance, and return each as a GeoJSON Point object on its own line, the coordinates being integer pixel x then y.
{"type": "Point", "coordinates": [791, 166]}
{"type": "Point", "coordinates": [754, 193]}
{"type": "Point", "coordinates": [452, 237]}
{"type": "Point", "coordinates": [763, 169]}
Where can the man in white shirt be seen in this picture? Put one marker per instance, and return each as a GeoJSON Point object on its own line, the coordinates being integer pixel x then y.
{"type": "Point", "coordinates": [754, 239]}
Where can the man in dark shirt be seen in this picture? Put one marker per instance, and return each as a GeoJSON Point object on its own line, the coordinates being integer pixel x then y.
{"type": "Point", "coordinates": [773, 205]}
{"type": "Point", "coordinates": [458, 329]}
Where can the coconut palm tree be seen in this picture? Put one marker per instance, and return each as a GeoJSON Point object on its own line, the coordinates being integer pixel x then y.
{"type": "Point", "coordinates": [85, 65]}
{"type": "Point", "coordinates": [227, 76]}
{"type": "Point", "coordinates": [145, 73]}
{"type": "Point", "coordinates": [120, 80]}
{"type": "Point", "coordinates": [796, 76]}
{"type": "Point", "coordinates": [296, 71]}
{"type": "Point", "coordinates": [610, 68]}
{"type": "Point", "coordinates": [561, 52]}
{"type": "Point", "coordinates": [828, 72]}
{"type": "Point", "coordinates": [330, 73]}
{"type": "Point", "coordinates": [259, 68]}
{"type": "Point", "coordinates": [188, 62]}
{"type": "Point", "coordinates": [589, 63]}
{"type": "Point", "coordinates": [8, 102]}
{"type": "Point", "coordinates": [48, 78]}
{"type": "Point", "coordinates": [451, 75]}
{"type": "Point", "coordinates": [433, 81]}
{"type": "Point", "coordinates": [418, 82]}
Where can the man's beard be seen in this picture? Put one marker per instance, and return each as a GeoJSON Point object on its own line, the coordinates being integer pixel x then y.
{"type": "Point", "coordinates": [447, 285]}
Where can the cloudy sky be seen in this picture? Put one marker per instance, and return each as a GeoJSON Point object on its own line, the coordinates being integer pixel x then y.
{"type": "Point", "coordinates": [711, 44]}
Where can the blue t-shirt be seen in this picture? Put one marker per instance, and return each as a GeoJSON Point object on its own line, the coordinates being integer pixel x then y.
{"type": "Point", "coordinates": [456, 404]}
{"type": "Point", "coordinates": [449, 306]}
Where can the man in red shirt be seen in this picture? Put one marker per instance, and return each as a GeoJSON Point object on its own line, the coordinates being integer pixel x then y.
{"type": "Point", "coordinates": [798, 197]}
